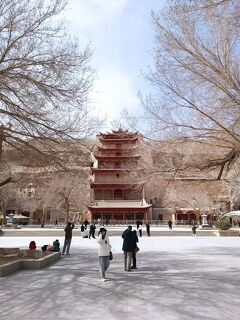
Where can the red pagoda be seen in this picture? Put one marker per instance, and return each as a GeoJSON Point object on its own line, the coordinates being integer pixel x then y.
{"type": "Point", "coordinates": [116, 195]}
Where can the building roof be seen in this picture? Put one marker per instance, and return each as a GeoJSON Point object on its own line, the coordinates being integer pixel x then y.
{"type": "Point", "coordinates": [120, 204]}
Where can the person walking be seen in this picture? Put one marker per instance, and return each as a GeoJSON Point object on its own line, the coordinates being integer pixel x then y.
{"type": "Point", "coordinates": [148, 229]}
{"type": "Point", "coordinates": [134, 259]}
{"type": "Point", "coordinates": [194, 231]}
{"type": "Point", "coordinates": [104, 249]}
{"type": "Point", "coordinates": [138, 223]}
{"type": "Point", "coordinates": [129, 245]}
{"type": "Point", "coordinates": [68, 237]}
{"type": "Point", "coordinates": [140, 230]}
{"type": "Point", "coordinates": [92, 229]}
{"type": "Point", "coordinates": [170, 224]}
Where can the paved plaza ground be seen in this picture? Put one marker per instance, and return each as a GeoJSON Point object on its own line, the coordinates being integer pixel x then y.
{"type": "Point", "coordinates": [178, 278]}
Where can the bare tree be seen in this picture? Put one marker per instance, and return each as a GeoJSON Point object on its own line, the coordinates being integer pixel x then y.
{"type": "Point", "coordinates": [44, 80]}
{"type": "Point", "coordinates": [196, 79]}
{"type": "Point", "coordinates": [234, 186]}
{"type": "Point", "coordinates": [68, 192]}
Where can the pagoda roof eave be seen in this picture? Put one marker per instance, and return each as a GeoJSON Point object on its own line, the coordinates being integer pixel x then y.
{"type": "Point", "coordinates": [119, 204]}
{"type": "Point", "coordinates": [117, 139]}
{"type": "Point", "coordinates": [116, 185]}
{"type": "Point", "coordinates": [114, 158]}
{"type": "Point", "coordinates": [115, 149]}
{"type": "Point", "coordinates": [107, 170]}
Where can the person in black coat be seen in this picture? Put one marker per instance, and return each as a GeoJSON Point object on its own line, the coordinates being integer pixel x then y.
{"type": "Point", "coordinates": [170, 224]}
{"type": "Point", "coordinates": [148, 229]}
{"type": "Point", "coordinates": [134, 259]}
{"type": "Point", "coordinates": [92, 231]}
{"type": "Point", "coordinates": [129, 244]}
{"type": "Point", "coordinates": [194, 228]}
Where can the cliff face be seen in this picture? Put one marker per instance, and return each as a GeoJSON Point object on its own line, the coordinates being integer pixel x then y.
{"type": "Point", "coordinates": [172, 173]}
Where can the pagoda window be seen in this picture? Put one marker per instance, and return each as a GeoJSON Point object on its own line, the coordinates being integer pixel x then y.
{"type": "Point", "coordinates": [117, 175]}
{"type": "Point", "coordinates": [118, 153]}
{"type": "Point", "coordinates": [118, 194]}
{"type": "Point", "coordinates": [117, 164]}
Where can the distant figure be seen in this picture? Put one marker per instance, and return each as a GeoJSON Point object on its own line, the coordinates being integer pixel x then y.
{"type": "Point", "coordinates": [194, 228]}
{"type": "Point", "coordinates": [85, 222]}
{"type": "Point", "coordinates": [140, 230]}
{"type": "Point", "coordinates": [68, 237]}
{"type": "Point", "coordinates": [92, 230]}
{"type": "Point", "coordinates": [129, 244]}
{"type": "Point", "coordinates": [170, 224]}
{"type": "Point", "coordinates": [103, 252]}
{"type": "Point", "coordinates": [32, 245]}
{"type": "Point", "coordinates": [148, 229]}
{"type": "Point", "coordinates": [134, 259]}
{"type": "Point", "coordinates": [56, 246]}
{"type": "Point", "coordinates": [56, 222]}
{"type": "Point", "coordinates": [138, 223]}
{"type": "Point", "coordinates": [82, 230]}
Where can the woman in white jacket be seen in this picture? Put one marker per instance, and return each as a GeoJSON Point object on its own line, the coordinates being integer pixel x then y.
{"type": "Point", "coordinates": [104, 249]}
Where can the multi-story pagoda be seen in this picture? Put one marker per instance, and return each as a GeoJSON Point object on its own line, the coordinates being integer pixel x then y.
{"type": "Point", "coordinates": [116, 193]}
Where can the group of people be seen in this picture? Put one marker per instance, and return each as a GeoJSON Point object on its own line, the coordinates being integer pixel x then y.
{"type": "Point", "coordinates": [139, 228]}
{"type": "Point", "coordinates": [92, 230]}
{"type": "Point", "coordinates": [194, 227]}
{"type": "Point", "coordinates": [55, 247]}
{"type": "Point", "coordinates": [130, 248]}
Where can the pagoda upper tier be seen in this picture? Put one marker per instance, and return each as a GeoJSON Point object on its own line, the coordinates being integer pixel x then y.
{"type": "Point", "coordinates": [118, 136]}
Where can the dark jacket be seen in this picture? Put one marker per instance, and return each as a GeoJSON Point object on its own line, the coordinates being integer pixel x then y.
{"type": "Point", "coordinates": [135, 237]}
{"type": "Point", "coordinates": [68, 231]}
{"type": "Point", "coordinates": [129, 240]}
{"type": "Point", "coordinates": [92, 228]}
{"type": "Point", "coordinates": [56, 246]}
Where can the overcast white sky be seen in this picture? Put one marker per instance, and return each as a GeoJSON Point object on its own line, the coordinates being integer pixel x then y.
{"type": "Point", "coordinates": [122, 38]}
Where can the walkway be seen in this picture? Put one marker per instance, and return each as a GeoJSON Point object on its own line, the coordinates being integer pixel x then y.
{"type": "Point", "coordinates": [178, 278]}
